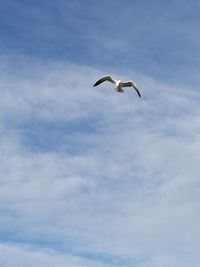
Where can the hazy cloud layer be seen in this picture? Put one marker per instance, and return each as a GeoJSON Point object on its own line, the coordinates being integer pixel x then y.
{"type": "Point", "coordinates": [94, 178]}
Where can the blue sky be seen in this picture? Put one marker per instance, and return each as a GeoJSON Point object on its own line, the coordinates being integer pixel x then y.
{"type": "Point", "coordinates": [90, 177]}
{"type": "Point", "coordinates": [153, 38]}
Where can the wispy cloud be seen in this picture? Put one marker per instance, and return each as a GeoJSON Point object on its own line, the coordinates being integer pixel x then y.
{"type": "Point", "coordinates": [12, 255]}
{"type": "Point", "coordinates": [120, 190]}
{"type": "Point", "coordinates": [90, 177]}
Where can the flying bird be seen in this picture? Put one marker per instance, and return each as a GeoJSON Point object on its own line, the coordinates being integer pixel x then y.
{"type": "Point", "coordinates": [118, 84]}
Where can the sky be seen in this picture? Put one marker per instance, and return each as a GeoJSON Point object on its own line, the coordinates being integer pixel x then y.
{"type": "Point", "coordinates": [88, 176]}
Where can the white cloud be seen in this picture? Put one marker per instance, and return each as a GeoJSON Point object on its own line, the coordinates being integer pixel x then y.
{"type": "Point", "coordinates": [129, 192]}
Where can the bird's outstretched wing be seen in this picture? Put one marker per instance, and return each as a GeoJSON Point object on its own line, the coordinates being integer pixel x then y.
{"type": "Point", "coordinates": [129, 84]}
{"type": "Point", "coordinates": [103, 79]}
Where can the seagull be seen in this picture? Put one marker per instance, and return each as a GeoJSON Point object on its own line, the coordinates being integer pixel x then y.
{"type": "Point", "coordinates": [118, 84]}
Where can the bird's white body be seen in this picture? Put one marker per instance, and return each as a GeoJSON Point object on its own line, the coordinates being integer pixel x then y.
{"type": "Point", "coordinates": [118, 84]}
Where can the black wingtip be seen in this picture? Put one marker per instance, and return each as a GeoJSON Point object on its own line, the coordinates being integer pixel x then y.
{"type": "Point", "coordinates": [138, 92]}
{"type": "Point", "coordinates": [97, 83]}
